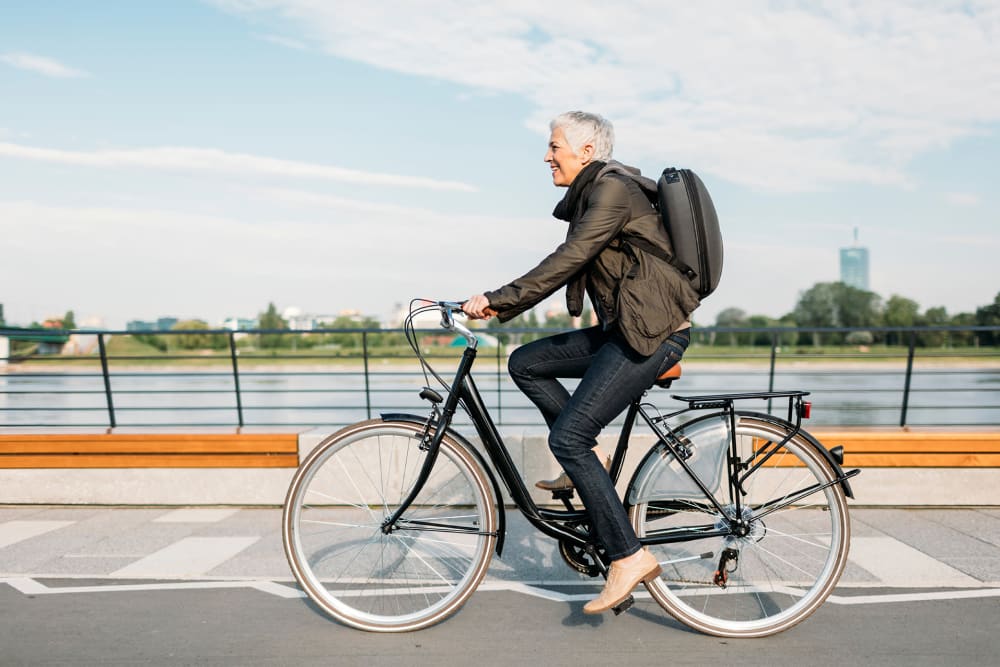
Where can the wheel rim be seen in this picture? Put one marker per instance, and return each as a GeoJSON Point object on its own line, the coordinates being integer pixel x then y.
{"type": "Point", "coordinates": [785, 564]}
{"type": "Point", "coordinates": [411, 577]}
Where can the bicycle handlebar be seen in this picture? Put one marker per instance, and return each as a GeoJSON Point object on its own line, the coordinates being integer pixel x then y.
{"type": "Point", "coordinates": [448, 310]}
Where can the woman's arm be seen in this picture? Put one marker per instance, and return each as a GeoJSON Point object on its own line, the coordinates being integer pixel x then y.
{"type": "Point", "coordinates": [608, 209]}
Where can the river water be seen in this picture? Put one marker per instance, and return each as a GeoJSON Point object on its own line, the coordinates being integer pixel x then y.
{"type": "Point", "coordinates": [310, 396]}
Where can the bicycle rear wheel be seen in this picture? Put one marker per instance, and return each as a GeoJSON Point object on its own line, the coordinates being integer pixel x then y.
{"type": "Point", "coordinates": [423, 570]}
{"type": "Point", "coordinates": [775, 569]}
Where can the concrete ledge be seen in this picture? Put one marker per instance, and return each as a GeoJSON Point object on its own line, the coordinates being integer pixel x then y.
{"type": "Point", "coordinates": [897, 485]}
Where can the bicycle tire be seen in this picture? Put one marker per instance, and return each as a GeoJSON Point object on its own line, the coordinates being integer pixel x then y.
{"type": "Point", "coordinates": [416, 575]}
{"type": "Point", "coordinates": [791, 557]}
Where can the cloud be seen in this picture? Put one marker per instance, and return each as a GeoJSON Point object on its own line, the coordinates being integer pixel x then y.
{"type": "Point", "coordinates": [962, 198]}
{"type": "Point", "coordinates": [284, 41]}
{"type": "Point", "coordinates": [213, 160]}
{"type": "Point", "coordinates": [785, 96]}
{"type": "Point", "coordinates": [321, 253]}
{"type": "Point", "coordinates": [40, 65]}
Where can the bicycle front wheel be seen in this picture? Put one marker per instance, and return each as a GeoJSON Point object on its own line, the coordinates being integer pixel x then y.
{"type": "Point", "coordinates": [774, 564]}
{"type": "Point", "coordinates": [424, 568]}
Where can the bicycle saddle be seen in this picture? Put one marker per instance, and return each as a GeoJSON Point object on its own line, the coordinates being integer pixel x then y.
{"type": "Point", "coordinates": [668, 376]}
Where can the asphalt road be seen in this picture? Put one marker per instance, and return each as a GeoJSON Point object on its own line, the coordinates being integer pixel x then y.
{"type": "Point", "coordinates": [87, 586]}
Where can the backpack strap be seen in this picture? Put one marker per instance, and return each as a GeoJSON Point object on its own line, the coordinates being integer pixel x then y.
{"type": "Point", "coordinates": [643, 244]}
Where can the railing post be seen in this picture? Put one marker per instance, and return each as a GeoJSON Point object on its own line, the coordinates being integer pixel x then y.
{"type": "Point", "coordinates": [368, 393]}
{"type": "Point", "coordinates": [499, 379]}
{"type": "Point", "coordinates": [107, 379]}
{"type": "Point", "coordinates": [770, 379]}
{"type": "Point", "coordinates": [909, 374]}
{"type": "Point", "coordinates": [236, 377]}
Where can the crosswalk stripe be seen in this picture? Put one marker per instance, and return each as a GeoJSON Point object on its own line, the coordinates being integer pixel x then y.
{"type": "Point", "coordinates": [189, 557]}
{"type": "Point", "coordinates": [195, 515]}
{"type": "Point", "coordinates": [13, 532]}
{"type": "Point", "coordinates": [895, 563]}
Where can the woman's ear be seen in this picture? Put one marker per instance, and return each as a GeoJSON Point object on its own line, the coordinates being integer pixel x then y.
{"type": "Point", "coordinates": [587, 153]}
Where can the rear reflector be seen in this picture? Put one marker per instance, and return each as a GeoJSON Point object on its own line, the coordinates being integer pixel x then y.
{"type": "Point", "coordinates": [806, 409]}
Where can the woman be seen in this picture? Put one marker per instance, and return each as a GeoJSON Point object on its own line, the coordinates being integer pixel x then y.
{"type": "Point", "coordinates": [642, 304]}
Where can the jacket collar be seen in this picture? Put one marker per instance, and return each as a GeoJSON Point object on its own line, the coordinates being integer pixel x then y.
{"type": "Point", "coordinates": [578, 191]}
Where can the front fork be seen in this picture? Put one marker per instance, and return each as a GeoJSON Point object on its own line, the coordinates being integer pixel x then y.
{"type": "Point", "coordinates": [434, 446]}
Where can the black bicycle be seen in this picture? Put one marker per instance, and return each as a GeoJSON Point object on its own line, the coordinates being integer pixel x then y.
{"type": "Point", "coordinates": [389, 525]}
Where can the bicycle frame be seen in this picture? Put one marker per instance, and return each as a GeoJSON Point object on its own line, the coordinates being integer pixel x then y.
{"type": "Point", "coordinates": [558, 524]}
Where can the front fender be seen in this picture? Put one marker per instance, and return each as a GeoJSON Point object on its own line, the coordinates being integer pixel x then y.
{"type": "Point", "coordinates": [459, 438]}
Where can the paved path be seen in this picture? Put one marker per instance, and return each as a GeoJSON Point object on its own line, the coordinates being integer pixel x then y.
{"type": "Point", "coordinates": [211, 586]}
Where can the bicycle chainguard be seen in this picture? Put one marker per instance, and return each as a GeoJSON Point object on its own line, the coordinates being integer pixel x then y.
{"type": "Point", "coordinates": [624, 605]}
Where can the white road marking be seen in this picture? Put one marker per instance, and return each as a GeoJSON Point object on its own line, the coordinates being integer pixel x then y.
{"type": "Point", "coordinates": [897, 564]}
{"type": "Point", "coordinates": [915, 597]}
{"type": "Point", "coordinates": [29, 586]}
{"type": "Point", "coordinates": [189, 557]}
{"type": "Point", "coordinates": [13, 532]}
{"type": "Point", "coordinates": [195, 515]}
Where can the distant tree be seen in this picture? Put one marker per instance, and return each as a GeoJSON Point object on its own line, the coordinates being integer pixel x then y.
{"type": "Point", "coordinates": [900, 312]}
{"type": "Point", "coordinates": [526, 320]}
{"type": "Point", "coordinates": [350, 339]}
{"type": "Point", "coordinates": [857, 307]}
{"type": "Point", "coordinates": [989, 316]}
{"type": "Point", "coordinates": [194, 339]}
{"type": "Point", "coordinates": [69, 320]}
{"type": "Point", "coordinates": [790, 337]}
{"type": "Point", "coordinates": [153, 340]}
{"type": "Point", "coordinates": [270, 320]}
{"type": "Point", "coordinates": [962, 337]}
{"type": "Point", "coordinates": [731, 317]}
{"type": "Point", "coordinates": [817, 307]}
{"type": "Point", "coordinates": [837, 305]}
{"type": "Point", "coordinates": [934, 317]}
{"type": "Point", "coordinates": [760, 337]}
{"type": "Point", "coordinates": [559, 321]}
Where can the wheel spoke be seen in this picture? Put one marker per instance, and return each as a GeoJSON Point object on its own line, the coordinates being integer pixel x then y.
{"type": "Point", "coordinates": [789, 545]}
{"type": "Point", "coordinates": [410, 575]}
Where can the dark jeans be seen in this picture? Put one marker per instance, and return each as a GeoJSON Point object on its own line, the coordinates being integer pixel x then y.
{"type": "Point", "coordinates": [612, 376]}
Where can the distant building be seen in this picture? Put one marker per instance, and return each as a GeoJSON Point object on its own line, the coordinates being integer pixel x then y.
{"type": "Point", "coordinates": [161, 324]}
{"type": "Point", "coordinates": [854, 265]}
{"type": "Point", "coordinates": [140, 326]}
{"type": "Point", "coordinates": [239, 323]}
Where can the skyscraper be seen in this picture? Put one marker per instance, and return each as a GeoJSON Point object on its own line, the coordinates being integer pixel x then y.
{"type": "Point", "coordinates": [854, 265]}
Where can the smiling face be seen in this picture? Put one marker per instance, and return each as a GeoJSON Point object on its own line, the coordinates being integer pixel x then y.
{"type": "Point", "coordinates": [565, 163]}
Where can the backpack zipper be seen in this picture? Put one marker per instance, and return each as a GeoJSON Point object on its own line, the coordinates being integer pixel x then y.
{"type": "Point", "coordinates": [700, 240]}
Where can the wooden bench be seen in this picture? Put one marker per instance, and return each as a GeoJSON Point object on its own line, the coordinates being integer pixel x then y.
{"type": "Point", "coordinates": [914, 449]}
{"type": "Point", "coordinates": [149, 450]}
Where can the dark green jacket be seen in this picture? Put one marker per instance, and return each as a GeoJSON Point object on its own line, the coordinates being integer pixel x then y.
{"type": "Point", "coordinates": [641, 294]}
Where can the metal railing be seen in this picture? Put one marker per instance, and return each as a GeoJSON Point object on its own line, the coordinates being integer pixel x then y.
{"type": "Point", "coordinates": [947, 376]}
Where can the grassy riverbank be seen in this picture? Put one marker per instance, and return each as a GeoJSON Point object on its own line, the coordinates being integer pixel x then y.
{"type": "Point", "coordinates": [128, 352]}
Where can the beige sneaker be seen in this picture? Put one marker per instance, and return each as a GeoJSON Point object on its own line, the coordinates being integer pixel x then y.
{"type": "Point", "coordinates": [563, 481]}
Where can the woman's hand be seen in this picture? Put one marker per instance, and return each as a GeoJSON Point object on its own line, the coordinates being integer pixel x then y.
{"type": "Point", "coordinates": [478, 308]}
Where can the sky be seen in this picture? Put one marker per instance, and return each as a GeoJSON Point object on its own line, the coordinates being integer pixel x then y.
{"type": "Point", "coordinates": [204, 159]}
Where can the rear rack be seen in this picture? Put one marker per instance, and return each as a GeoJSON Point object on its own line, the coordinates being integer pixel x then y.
{"type": "Point", "coordinates": [796, 406]}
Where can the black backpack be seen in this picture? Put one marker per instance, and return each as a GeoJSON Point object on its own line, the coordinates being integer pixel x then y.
{"type": "Point", "coordinates": [693, 226]}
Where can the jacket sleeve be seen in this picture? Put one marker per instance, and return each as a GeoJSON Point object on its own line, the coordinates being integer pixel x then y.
{"type": "Point", "coordinates": [608, 209]}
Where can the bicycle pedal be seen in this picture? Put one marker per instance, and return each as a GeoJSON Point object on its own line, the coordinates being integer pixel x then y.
{"type": "Point", "coordinates": [562, 494]}
{"type": "Point", "coordinates": [624, 605]}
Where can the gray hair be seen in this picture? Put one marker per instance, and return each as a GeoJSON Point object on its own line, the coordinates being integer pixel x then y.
{"type": "Point", "coordinates": [583, 128]}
